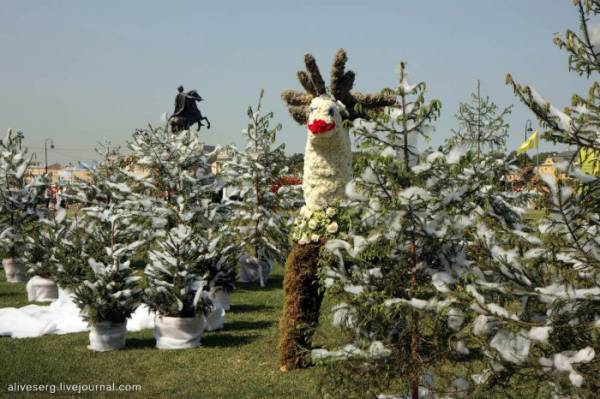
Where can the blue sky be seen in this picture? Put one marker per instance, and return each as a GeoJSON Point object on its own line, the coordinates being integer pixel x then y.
{"type": "Point", "coordinates": [84, 71]}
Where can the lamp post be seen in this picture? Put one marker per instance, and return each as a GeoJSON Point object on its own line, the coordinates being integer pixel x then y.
{"type": "Point", "coordinates": [528, 129]}
{"type": "Point", "coordinates": [46, 152]}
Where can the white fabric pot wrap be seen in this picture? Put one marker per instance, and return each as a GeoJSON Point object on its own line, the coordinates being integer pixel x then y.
{"type": "Point", "coordinates": [65, 293]}
{"type": "Point", "coordinates": [107, 336]}
{"type": "Point", "coordinates": [220, 298]}
{"type": "Point", "coordinates": [178, 332]}
{"type": "Point", "coordinates": [253, 271]}
{"type": "Point", "coordinates": [40, 289]}
{"type": "Point", "coordinates": [215, 320]}
{"type": "Point", "coordinates": [15, 271]}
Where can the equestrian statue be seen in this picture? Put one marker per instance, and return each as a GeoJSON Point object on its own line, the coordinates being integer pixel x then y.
{"type": "Point", "coordinates": [186, 111]}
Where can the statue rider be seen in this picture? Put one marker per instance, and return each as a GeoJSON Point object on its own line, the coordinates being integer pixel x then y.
{"type": "Point", "coordinates": [180, 101]}
{"type": "Point", "coordinates": [186, 111]}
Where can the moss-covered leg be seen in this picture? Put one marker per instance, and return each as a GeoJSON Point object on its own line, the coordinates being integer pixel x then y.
{"type": "Point", "coordinates": [302, 302]}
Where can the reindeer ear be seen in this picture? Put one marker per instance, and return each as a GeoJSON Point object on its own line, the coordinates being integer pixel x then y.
{"type": "Point", "coordinates": [300, 114]}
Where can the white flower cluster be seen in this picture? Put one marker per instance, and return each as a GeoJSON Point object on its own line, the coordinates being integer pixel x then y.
{"type": "Point", "coordinates": [311, 226]}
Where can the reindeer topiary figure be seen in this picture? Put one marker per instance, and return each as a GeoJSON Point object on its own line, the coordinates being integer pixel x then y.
{"type": "Point", "coordinates": [327, 170]}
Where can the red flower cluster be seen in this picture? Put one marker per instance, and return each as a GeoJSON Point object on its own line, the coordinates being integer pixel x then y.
{"type": "Point", "coordinates": [285, 181]}
{"type": "Point", "coordinates": [320, 126]}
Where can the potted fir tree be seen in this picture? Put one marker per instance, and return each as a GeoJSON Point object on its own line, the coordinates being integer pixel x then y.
{"type": "Point", "coordinates": [108, 236]}
{"type": "Point", "coordinates": [177, 276]}
{"type": "Point", "coordinates": [68, 252]}
{"type": "Point", "coordinates": [223, 271]}
{"type": "Point", "coordinates": [21, 204]}
{"type": "Point", "coordinates": [185, 262]}
{"type": "Point", "coordinates": [39, 256]}
{"type": "Point", "coordinates": [258, 204]}
{"type": "Point", "coordinates": [106, 300]}
{"type": "Point", "coordinates": [110, 293]}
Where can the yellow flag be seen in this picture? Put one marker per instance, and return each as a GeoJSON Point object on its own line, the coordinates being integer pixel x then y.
{"type": "Point", "coordinates": [589, 160]}
{"type": "Point", "coordinates": [532, 142]}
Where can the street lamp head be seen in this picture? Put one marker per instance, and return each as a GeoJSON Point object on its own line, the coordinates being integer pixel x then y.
{"type": "Point", "coordinates": [52, 145]}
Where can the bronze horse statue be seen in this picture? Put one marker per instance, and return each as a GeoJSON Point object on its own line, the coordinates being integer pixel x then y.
{"type": "Point", "coordinates": [186, 111]}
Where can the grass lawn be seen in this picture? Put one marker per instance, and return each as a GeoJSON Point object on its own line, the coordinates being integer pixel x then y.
{"type": "Point", "coordinates": [238, 362]}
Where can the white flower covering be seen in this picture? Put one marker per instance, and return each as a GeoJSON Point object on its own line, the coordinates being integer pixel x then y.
{"type": "Point", "coordinates": [327, 158]}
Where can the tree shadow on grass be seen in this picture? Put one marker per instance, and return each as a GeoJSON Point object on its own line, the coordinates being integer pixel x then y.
{"type": "Point", "coordinates": [221, 339]}
{"type": "Point", "coordinates": [14, 296]}
{"type": "Point", "coordinates": [212, 339]}
{"type": "Point", "coordinates": [139, 343]}
{"type": "Point", "coordinates": [244, 307]}
{"type": "Point", "coordinates": [248, 325]}
{"type": "Point", "coordinates": [273, 283]}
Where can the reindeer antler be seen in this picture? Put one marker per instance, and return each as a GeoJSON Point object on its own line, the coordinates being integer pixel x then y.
{"type": "Point", "coordinates": [340, 87]}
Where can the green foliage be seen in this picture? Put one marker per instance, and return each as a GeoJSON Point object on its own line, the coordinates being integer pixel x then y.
{"type": "Point", "coordinates": [38, 253]}
{"type": "Point", "coordinates": [481, 123]}
{"type": "Point", "coordinates": [178, 272]}
{"type": "Point", "coordinates": [111, 294]}
{"type": "Point", "coordinates": [295, 164]}
{"type": "Point", "coordinates": [22, 199]}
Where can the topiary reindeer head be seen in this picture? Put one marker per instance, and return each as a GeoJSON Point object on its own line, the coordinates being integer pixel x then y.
{"type": "Point", "coordinates": [328, 154]}
{"type": "Point", "coordinates": [322, 110]}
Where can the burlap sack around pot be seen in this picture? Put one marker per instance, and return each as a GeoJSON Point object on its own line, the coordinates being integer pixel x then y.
{"type": "Point", "coordinates": [107, 336]}
{"type": "Point", "coordinates": [40, 289]}
{"type": "Point", "coordinates": [14, 270]}
{"type": "Point", "coordinates": [178, 332]}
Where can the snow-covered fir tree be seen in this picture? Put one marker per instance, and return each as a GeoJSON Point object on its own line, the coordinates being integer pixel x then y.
{"type": "Point", "coordinates": [23, 200]}
{"type": "Point", "coordinates": [534, 286]}
{"type": "Point", "coordinates": [403, 233]}
{"type": "Point", "coordinates": [481, 123]}
{"type": "Point", "coordinates": [395, 272]}
{"type": "Point", "coordinates": [110, 235]}
{"type": "Point", "coordinates": [110, 189]}
{"type": "Point", "coordinates": [41, 243]}
{"type": "Point", "coordinates": [69, 241]}
{"type": "Point", "coordinates": [259, 215]}
{"type": "Point", "coordinates": [189, 255]}
{"type": "Point", "coordinates": [112, 292]}
{"type": "Point", "coordinates": [179, 273]}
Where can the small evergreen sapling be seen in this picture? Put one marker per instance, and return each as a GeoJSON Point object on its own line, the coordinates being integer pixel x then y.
{"type": "Point", "coordinates": [258, 213]}
{"type": "Point", "coordinates": [108, 236]}
{"type": "Point", "coordinates": [111, 293]}
{"type": "Point", "coordinates": [481, 123]}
